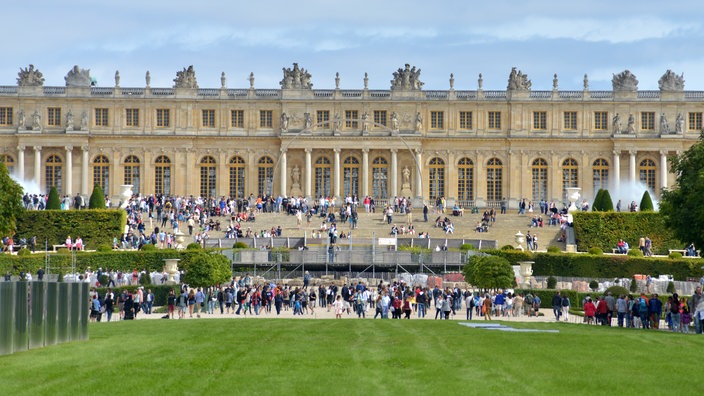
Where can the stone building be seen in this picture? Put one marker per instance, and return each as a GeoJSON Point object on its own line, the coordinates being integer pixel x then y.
{"type": "Point", "coordinates": [471, 146]}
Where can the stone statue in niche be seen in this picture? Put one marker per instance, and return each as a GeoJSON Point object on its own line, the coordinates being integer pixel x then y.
{"type": "Point", "coordinates": [624, 81]}
{"type": "Point", "coordinates": [617, 124]}
{"type": "Point", "coordinates": [671, 82]}
{"type": "Point", "coordinates": [84, 121]}
{"type": "Point", "coordinates": [337, 123]}
{"type": "Point", "coordinates": [365, 122]}
{"type": "Point", "coordinates": [69, 120]}
{"type": "Point", "coordinates": [21, 120]}
{"type": "Point", "coordinates": [36, 121]}
{"type": "Point", "coordinates": [77, 77]}
{"type": "Point", "coordinates": [679, 124]}
{"type": "Point", "coordinates": [284, 122]}
{"type": "Point", "coordinates": [296, 78]}
{"type": "Point", "coordinates": [406, 182]}
{"type": "Point", "coordinates": [419, 122]}
{"type": "Point", "coordinates": [517, 81]}
{"type": "Point", "coordinates": [30, 77]}
{"type": "Point", "coordinates": [664, 125]}
{"type": "Point", "coordinates": [186, 78]}
{"type": "Point", "coordinates": [394, 122]}
{"type": "Point", "coordinates": [307, 121]}
{"type": "Point", "coordinates": [631, 128]}
{"type": "Point", "coordinates": [296, 175]}
{"type": "Point", "coordinates": [406, 79]}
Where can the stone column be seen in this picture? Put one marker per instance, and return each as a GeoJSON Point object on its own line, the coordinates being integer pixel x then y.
{"type": "Point", "coordinates": [616, 169]}
{"type": "Point", "coordinates": [663, 168]}
{"type": "Point", "coordinates": [419, 173]}
{"type": "Point", "coordinates": [85, 188]}
{"type": "Point", "coordinates": [69, 170]}
{"type": "Point", "coordinates": [20, 162]}
{"type": "Point", "coordinates": [336, 176]}
{"type": "Point", "coordinates": [282, 161]}
{"type": "Point", "coordinates": [365, 171]}
{"type": "Point", "coordinates": [394, 173]}
{"type": "Point", "coordinates": [632, 166]}
{"type": "Point", "coordinates": [480, 192]}
{"type": "Point", "coordinates": [37, 166]}
{"type": "Point", "coordinates": [309, 173]}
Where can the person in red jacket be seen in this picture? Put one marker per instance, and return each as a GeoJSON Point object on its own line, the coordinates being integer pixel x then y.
{"type": "Point", "coordinates": [602, 311]}
{"type": "Point", "coordinates": [589, 310]}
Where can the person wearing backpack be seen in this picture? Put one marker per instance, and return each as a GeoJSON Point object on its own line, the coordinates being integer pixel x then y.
{"type": "Point", "coordinates": [643, 311]}
{"type": "Point", "coordinates": [654, 311]}
{"type": "Point", "coordinates": [565, 307]}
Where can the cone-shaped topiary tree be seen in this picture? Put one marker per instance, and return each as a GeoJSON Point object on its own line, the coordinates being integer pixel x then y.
{"type": "Point", "coordinates": [53, 202]}
{"type": "Point", "coordinates": [596, 205]}
{"type": "Point", "coordinates": [97, 199]}
{"type": "Point", "coordinates": [646, 204]}
{"type": "Point", "coordinates": [607, 205]}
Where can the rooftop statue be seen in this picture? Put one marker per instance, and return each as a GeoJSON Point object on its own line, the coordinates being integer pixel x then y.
{"type": "Point", "coordinates": [78, 77]}
{"type": "Point", "coordinates": [407, 79]}
{"type": "Point", "coordinates": [624, 81]}
{"type": "Point", "coordinates": [671, 82]}
{"type": "Point", "coordinates": [186, 78]}
{"type": "Point", "coordinates": [296, 78]}
{"type": "Point", "coordinates": [30, 77]}
{"type": "Point", "coordinates": [517, 81]}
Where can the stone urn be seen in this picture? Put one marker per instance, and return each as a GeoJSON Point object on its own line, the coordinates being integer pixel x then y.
{"type": "Point", "coordinates": [526, 272]}
{"type": "Point", "coordinates": [125, 195]}
{"type": "Point", "coordinates": [520, 238]}
{"type": "Point", "coordinates": [180, 238]}
{"type": "Point", "coordinates": [171, 268]}
{"type": "Point", "coordinates": [573, 197]}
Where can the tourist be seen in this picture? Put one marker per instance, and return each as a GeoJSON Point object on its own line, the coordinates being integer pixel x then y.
{"type": "Point", "coordinates": [589, 310]}
{"type": "Point", "coordinates": [338, 306]}
{"type": "Point", "coordinates": [675, 312]}
{"type": "Point", "coordinates": [486, 307]}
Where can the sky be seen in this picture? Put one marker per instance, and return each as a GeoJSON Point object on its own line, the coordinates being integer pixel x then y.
{"type": "Point", "coordinates": [540, 38]}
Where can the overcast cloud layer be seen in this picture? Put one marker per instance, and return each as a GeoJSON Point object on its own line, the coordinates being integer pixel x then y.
{"type": "Point", "coordinates": [541, 38]}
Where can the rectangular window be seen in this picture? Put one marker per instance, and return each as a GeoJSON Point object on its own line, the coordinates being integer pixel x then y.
{"type": "Point", "coordinates": [351, 117]}
{"type": "Point", "coordinates": [380, 117]}
{"type": "Point", "coordinates": [237, 118]}
{"type": "Point", "coordinates": [5, 115]}
{"type": "Point", "coordinates": [266, 119]}
{"type": "Point", "coordinates": [695, 121]}
{"type": "Point", "coordinates": [494, 120]}
{"type": "Point", "coordinates": [323, 118]}
{"type": "Point", "coordinates": [54, 116]}
{"type": "Point", "coordinates": [437, 120]}
{"type": "Point", "coordinates": [647, 120]}
{"type": "Point", "coordinates": [465, 120]}
{"type": "Point", "coordinates": [101, 117]}
{"type": "Point", "coordinates": [570, 119]}
{"type": "Point", "coordinates": [601, 120]}
{"type": "Point", "coordinates": [132, 117]}
{"type": "Point", "coordinates": [163, 118]}
{"type": "Point", "coordinates": [208, 118]}
{"type": "Point", "coordinates": [540, 120]}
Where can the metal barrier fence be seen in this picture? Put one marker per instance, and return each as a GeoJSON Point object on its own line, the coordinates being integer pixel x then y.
{"type": "Point", "coordinates": [38, 314]}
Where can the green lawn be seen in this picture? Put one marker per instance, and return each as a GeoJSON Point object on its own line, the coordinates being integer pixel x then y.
{"type": "Point", "coordinates": [352, 357]}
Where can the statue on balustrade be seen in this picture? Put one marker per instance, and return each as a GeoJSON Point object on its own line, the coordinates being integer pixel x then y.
{"type": "Point", "coordinates": [30, 77]}
{"type": "Point", "coordinates": [186, 78]}
{"type": "Point", "coordinates": [77, 77]}
{"type": "Point", "coordinates": [624, 81]}
{"type": "Point", "coordinates": [406, 79]}
{"type": "Point", "coordinates": [517, 81]}
{"type": "Point", "coordinates": [671, 82]}
{"type": "Point", "coordinates": [296, 78]}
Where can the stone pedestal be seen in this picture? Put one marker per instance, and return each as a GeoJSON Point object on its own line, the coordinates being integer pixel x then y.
{"type": "Point", "coordinates": [171, 268]}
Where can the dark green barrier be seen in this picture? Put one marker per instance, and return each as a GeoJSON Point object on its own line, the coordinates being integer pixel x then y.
{"type": "Point", "coordinates": [63, 313]}
{"type": "Point", "coordinates": [21, 336]}
{"type": "Point", "coordinates": [84, 310]}
{"type": "Point", "coordinates": [37, 313]}
{"type": "Point", "coordinates": [52, 313]}
{"type": "Point", "coordinates": [75, 302]}
{"type": "Point", "coordinates": [7, 317]}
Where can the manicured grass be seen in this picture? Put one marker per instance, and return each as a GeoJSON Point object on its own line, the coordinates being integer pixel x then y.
{"type": "Point", "coordinates": [351, 357]}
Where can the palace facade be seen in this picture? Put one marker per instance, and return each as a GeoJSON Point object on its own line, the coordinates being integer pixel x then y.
{"type": "Point", "coordinates": [474, 147]}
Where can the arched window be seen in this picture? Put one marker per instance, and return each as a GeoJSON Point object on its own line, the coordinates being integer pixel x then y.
{"type": "Point", "coordinates": [208, 177]}
{"type": "Point", "coordinates": [162, 175]}
{"type": "Point", "coordinates": [646, 171]}
{"type": "Point", "coordinates": [132, 173]}
{"type": "Point", "coordinates": [600, 170]}
{"type": "Point", "coordinates": [570, 174]}
{"type": "Point", "coordinates": [237, 177]}
{"type": "Point", "coordinates": [101, 173]}
{"type": "Point", "coordinates": [465, 181]}
{"type": "Point", "coordinates": [323, 184]}
{"type": "Point", "coordinates": [265, 176]}
{"type": "Point", "coordinates": [53, 173]}
{"type": "Point", "coordinates": [494, 179]}
{"type": "Point", "coordinates": [9, 163]}
{"type": "Point", "coordinates": [436, 178]}
{"type": "Point", "coordinates": [380, 179]}
{"type": "Point", "coordinates": [350, 171]}
{"type": "Point", "coordinates": [539, 170]}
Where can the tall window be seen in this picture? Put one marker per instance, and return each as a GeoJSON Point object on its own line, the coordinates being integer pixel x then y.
{"type": "Point", "coordinates": [208, 118]}
{"type": "Point", "coordinates": [132, 173]}
{"type": "Point", "coordinates": [380, 177]}
{"type": "Point", "coordinates": [380, 117]}
{"type": "Point", "coordinates": [570, 173]}
{"type": "Point", "coordinates": [132, 117]}
{"type": "Point", "coordinates": [647, 120]}
{"type": "Point", "coordinates": [437, 120]}
{"type": "Point", "coordinates": [695, 121]}
{"type": "Point", "coordinates": [540, 179]}
{"type": "Point", "coordinates": [208, 177]}
{"type": "Point", "coordinates": [53, 116]}
{"type": "Point", "coordinates": [237, 177]}
{"type": "Point", "coordinates": [5, 115]}
{"type": "Point", "coordinates": [570, 120]}
{"type": "Point", "coordinates": [101, 117]}
{"type": "Point", "coordinates": [436, 178]}
{"type": "Point", "coordinates": [266, 118]}
{"type": "Point", "coordinates": [600, 170]}
{"type": "Point", "coordinates": [350, 172]}
{"type": "Point", "coordinates": [465, 120]}
{"type": "Point", "coordinates": [494, 120]}
{"type": "Point", "coordinates": [237, 118]}
{"type": "Point", "coordinates": [494, 179]}
{"type": "Point", "coordinates": [53, 173]}
{"type": "Point", "coordinates": [601, 120]}
{"type": "Point", "coordinates": [465, 180]}
{"type": "Point", "coordinates": [265, 176]}
{"type": "Point", "coordinates": [162, 175]}
{"type": "Point", "coordinates": [323, 183]}
{"type": "Point", "coordinates": [101, 173]}
{"type": "Point", "coordinates": [9, 163]}
{"type": "Point", "coordinates": [540, 120]}
{"type": "Point", "coordinates": [323, 117]}
{"type": "Point", "coordinates": [163, 118]}
{"type": "Point", "coordinates": [646, 170]}
{"type": "Point", "coordinates": [351, 117]}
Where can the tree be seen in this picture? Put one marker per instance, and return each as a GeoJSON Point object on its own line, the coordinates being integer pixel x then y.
{"type": "Point", "coordinates": [682, 205]}
{"type": "Point", "coordinates": [489, 272]}
{"type": "Point", "coordinates": [97, 198]}
{"type": "Point", "coordinates": [646, 204]}
{"type": "Point", "coordinates": [206, 269]}
{"type": "Point", "coordinates": [53, 202]}
{"type": "Point", "coordinates": [596, 205]}
{"type": "Point", "coordinates": [607, 204]}
{"type": "Point", "coordinates": [10, 202]}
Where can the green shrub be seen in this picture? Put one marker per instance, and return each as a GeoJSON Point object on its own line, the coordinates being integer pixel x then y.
{"type": "Point", "coordinates": [148, 247]}
{"type": "Point", "coordinates": [553, 249]}
{"type": "Point", "coordinates": [240, 245]}
{"type": "Point", "coordinates": [103, 280]}
{"type": "Point", "coordinates": [646, 204]}
{"type": "Point", "coordinates": [597, 204]}
{"type": "Point", "coordinates": [595, 251]}
{"type": "Point", "coordinates": [97, 199]}
{"type": "Point", "coordinates": [145, 279]}
{"type": "Point", "coordinates": [670, 287]}
{"type": "Point", "coordinates": [104, 248]}
{"type": "Point", "coordinates": [593, 285]}
{"type": "Point", "coordinates": [467, 246]}
{"type": "Point", "coordinates": [617, 291]}
{"type": "Point", "coordinates": [675, 255]}
{"type": "Point", "coordinates": [634, 285]}
{"type": "Point", "coordinates": [281, 254]}
{"type": "Point", "coordinates": [53, 203]}
{"type": "Point", "coordinates": [507, 247]}
{"type": "Point", "coordinates": [193, 246]}
{"type": "Point", "coordinates": [552, 282]}
{"type": "Point", "coordinates": [26, 252]}
{"type": "Point", "coordinates": [607, 204]}
{"type": "Point", "coordinates": [634, 252]}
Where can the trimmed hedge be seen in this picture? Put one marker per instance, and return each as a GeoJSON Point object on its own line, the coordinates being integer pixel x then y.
{"type": "Point", "coordinates": [96, 226]}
